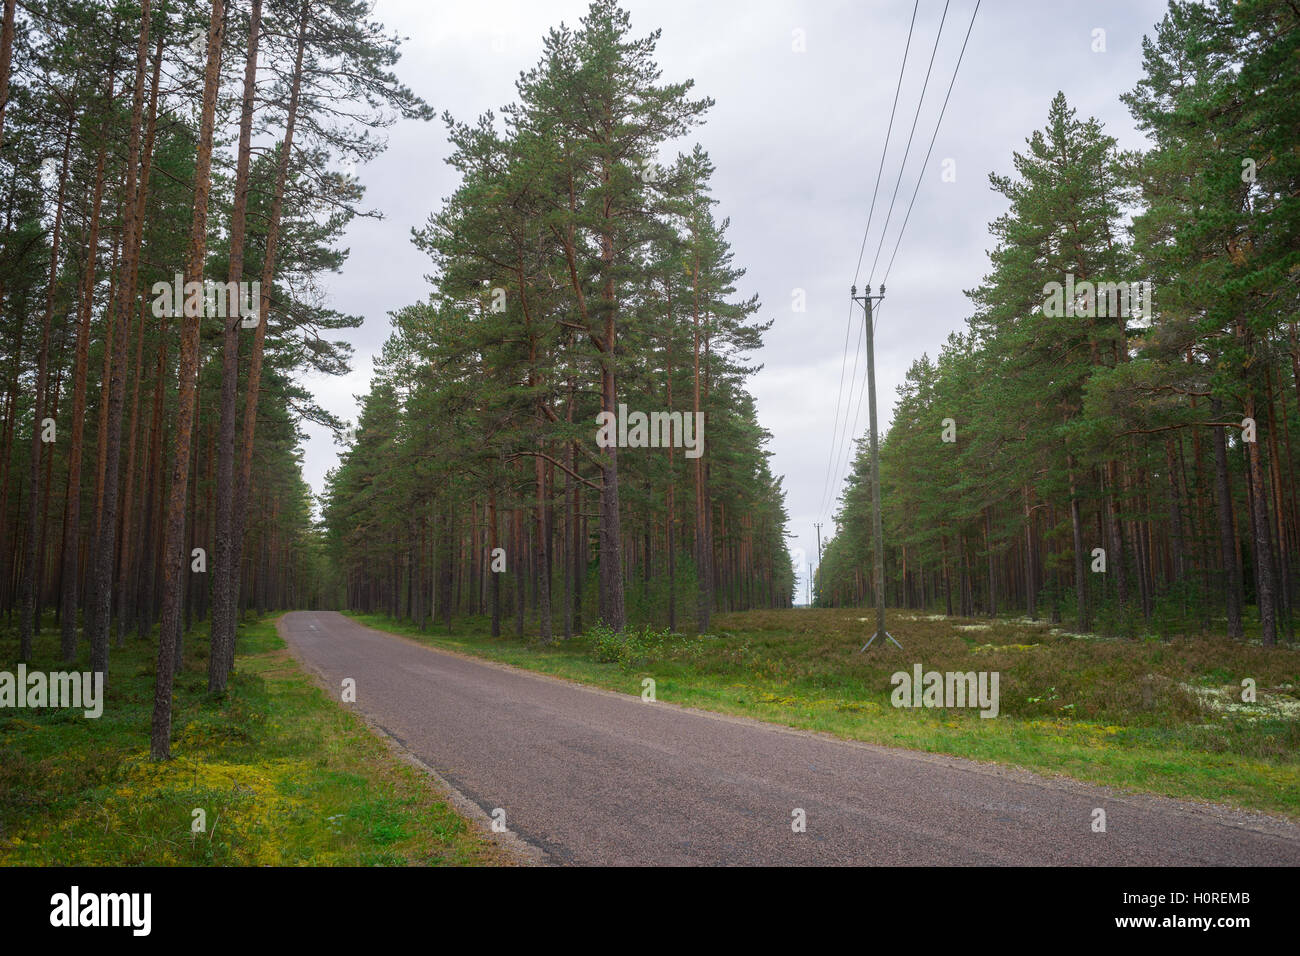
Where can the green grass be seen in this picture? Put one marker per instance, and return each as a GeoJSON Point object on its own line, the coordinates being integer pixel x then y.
{"type": "Point", "coordinates": [1157, 716]}
{"type": "Point", "coordinates": [284, 775]}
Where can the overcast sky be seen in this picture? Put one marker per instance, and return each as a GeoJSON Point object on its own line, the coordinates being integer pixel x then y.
{"type": "Point", "coordinates": [796, 138]}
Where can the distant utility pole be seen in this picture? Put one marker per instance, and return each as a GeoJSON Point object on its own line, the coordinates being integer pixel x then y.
{"type": "Point", "coordinates": [877, 526]}
{"type": "Point", "coordinates": [818, 526]}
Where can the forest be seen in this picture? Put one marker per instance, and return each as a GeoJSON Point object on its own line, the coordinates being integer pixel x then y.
{"type": "Point", "coordinates": [177, 179]}
{"type": "Point", "coordinates": [150, 457]}
{"type": "Point", "coordinates": [1126, 470]}
{"type": "Point", "coordinates": [440, 523]}
{"type": "Point", "coordinates": [579, 273]}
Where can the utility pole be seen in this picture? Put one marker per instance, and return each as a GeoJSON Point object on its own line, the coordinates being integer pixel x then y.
{"type": "Point", "coordinates": [818, 526]}
{"type": "Point", "coordinates": [877, 525]}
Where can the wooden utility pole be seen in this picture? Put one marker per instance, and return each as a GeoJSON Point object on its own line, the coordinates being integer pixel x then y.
{"type": "Point", "coordinates": [818, 526]}
{"type": "Point", "coordinates": [877, 526]}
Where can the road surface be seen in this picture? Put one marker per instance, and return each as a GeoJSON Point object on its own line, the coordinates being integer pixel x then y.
{"type": "Point", "coordinates": [586, 776]}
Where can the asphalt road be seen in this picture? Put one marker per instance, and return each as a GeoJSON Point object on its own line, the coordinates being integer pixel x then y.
{"type": "Point", "coordinates": [585, 776]}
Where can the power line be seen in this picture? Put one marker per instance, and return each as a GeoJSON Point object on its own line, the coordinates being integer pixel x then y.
{"type": "Point", "coordinates": [845, 458]}
{"type": "Point", "coordinates": [934, 136]}
{"type": "Point", "coordinates": [839, 437]}
{"type": "Point", "coordinates": [839, 397]}
{"type": "Point", "coordinates": [846, 446]}
{"type": "Point", "coordinates": [884, 230]}
{"type": "Point", "coordinates": [897, 89]}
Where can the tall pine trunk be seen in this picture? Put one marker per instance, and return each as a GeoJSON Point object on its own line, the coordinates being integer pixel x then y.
{"type": "Point", "coordinates": [174, 563]}
{"type": "Point", "coordinates": [31, 574]}
{"type": "Point", "coordinates": [132, 230]}
{"type": "Point", "coordinates": [70, 575]}
{"type": "Point", "coordinates": [244, 479]}
{"type": "Point", "coordinates": [224, 583]}
{"type": "Point", "coordinates": [1264, 582]}
{"type": "Point", "coordinates": [1227, 535]}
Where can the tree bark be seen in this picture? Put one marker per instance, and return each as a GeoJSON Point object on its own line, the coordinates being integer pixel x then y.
{"type": "Point", "coordinates": [70, 575]}
{"type": "Point", "coordinates": [31, 584]}
{"type": "Point", "coordinates": [174, 529]}
{"type": "Point", "coordinates": [245, 476]}
{"type": "Point", "coordinates": [225, 581]}
{"type": "Point", "coordinates": [1264, 589]}
{"type": "Point", "coordinates": [132, 230]}
{"type": "Point", "coordinates": [1227, 536]}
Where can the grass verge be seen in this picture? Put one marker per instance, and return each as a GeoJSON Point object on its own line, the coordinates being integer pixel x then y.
{"type": "Point", "coordinates": [282, 774]}
{"type": "Point", "coordinates": [1155, 716]}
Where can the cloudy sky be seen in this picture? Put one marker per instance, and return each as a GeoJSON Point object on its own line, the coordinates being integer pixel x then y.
{"type": "Point", "coordinates": [803, 94]}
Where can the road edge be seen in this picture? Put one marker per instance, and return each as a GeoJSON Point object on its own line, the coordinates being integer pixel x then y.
{"type": "Point", "coordinates": [523, 852]}
{"type": "Point", "coordinates": [1256, 821]}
